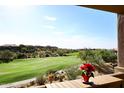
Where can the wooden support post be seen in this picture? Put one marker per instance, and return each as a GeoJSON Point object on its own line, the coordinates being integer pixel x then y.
{"type": "Point", "coordinates": [120, 40]}
{"type": "Point", "coordinates": [120, 32]}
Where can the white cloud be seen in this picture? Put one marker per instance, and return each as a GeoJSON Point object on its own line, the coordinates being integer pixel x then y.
{"type": "Point", "coordinates": [50, 18]}
{"type": "Point", "coordinates": [49, 26]}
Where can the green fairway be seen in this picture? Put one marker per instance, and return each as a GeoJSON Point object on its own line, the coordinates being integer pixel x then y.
{"type": "Point", "coordinates": [21, 69]}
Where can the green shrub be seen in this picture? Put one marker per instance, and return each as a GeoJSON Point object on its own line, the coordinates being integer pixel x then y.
{"type": "Point", "coordinates": [21, 55]}
{"type": "Point", "coordinates": [6, 56]}
{"type": "Point", "coordinates": [73, 72]}
{"type": "Point", "coordinates": [41, 80]}
{"type": "Point", "coordinates": [109, 56]}
{"type": "Point", "coordinates": [90, 56]}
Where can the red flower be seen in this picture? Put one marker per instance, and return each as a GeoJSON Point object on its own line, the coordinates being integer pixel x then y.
{"type": "Point", "coordinates": [87, 67]}
{"type": "Point", "coordinates": [87, 71]}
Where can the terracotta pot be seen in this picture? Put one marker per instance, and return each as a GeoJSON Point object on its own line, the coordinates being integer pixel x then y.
{"type": "Point", "coordinates": [85, 78]}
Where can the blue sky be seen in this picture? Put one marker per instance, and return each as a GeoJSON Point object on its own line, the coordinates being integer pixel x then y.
{"type": "Point", "coordinates": [61, 26]}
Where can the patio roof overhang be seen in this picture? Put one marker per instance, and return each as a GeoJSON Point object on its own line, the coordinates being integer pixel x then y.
{"type": "Point", "coordinates": [110, 8]}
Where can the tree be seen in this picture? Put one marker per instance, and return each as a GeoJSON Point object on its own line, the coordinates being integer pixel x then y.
{"type": "Point", "coordinates": [48, 53]}
{"type": "Point", "coordinates": [7, 56]}
{"type": "Point", "coordinates": [61, 52]}
{"type": "Point", "coordinates": [42, 54]}
{"type": "Point", "coordinates": [109, 56]}
{"type": "Point", "coordinates": [21, 55]}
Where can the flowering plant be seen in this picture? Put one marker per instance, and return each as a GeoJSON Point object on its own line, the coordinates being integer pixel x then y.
{"type": "Point", "coordinates": [87, 71]}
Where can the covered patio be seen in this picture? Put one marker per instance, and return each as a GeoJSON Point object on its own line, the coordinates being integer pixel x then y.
{"type": "Point", "coordinates": [105, 81]}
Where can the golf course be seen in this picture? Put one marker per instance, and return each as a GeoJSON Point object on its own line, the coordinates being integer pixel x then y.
{"type": "Point", "coordinates": [22, 69]}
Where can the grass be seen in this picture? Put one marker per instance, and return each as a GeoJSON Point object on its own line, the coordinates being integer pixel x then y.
{"type": "Point", "coordinates": [21, 69]}
{"type": "Point", "coordinates": [73, 54]}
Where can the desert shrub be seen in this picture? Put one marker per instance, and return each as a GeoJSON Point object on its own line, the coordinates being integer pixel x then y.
{"type": "Point", "coordinates": [61, 52]}
{"type": "Point", "coordinates": [41, 80]}
{"type": "Point", "coordinates": [54, 54]}
{"type": "Point", "coordinates": [109, 56]}
{"type": "Point", "coordinates": [50, 75]}
{"type": "Point", "coordinates": [90, 56]}
{"type": "Point", "coordinates": [73, 72]}
{"type": "Point", "coordinates": [21, 55]}
{"type": "Point", "coordinates": [7, 56]}
{"type": "Point", "coordinates": [42, 54]}
{"type": "Point", "coordinates": [60, 75]}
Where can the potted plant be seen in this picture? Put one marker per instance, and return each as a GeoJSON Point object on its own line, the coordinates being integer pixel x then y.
{"type": "Point", "coordinates": [87, 72]}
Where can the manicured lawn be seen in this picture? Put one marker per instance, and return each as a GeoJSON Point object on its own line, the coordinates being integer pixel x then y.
{"type": "Point", "coordinates": [21, 69]}
{"type": "Point", "coordinates": [73, 54]}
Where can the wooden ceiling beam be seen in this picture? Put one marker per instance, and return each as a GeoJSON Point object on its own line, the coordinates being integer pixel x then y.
{"type": "Point", "coordinates": [110, 8]}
